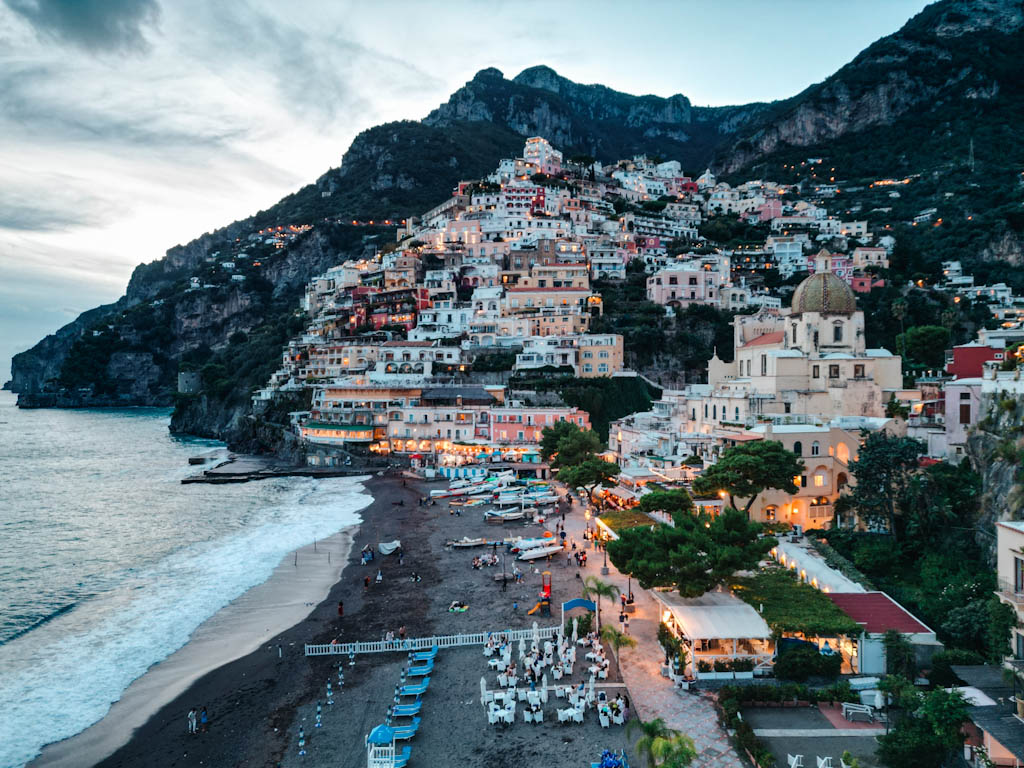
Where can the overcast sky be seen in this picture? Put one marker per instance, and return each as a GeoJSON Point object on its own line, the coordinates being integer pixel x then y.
{"type": "Point", "coordinates": [129, 126]}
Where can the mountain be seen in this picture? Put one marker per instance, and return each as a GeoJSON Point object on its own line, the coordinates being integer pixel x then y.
{"type": "Point", "coordinates": [912, 104]}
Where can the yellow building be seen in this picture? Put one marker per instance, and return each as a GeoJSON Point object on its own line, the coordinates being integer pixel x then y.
{"type": "Point", "coordinates": [600, 354]}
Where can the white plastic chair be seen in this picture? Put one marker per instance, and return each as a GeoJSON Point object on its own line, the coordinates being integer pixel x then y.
{"type": "Point", "coordinates": [521, 694]}
{"type": "Point", "coordinates": [565, 714]}
{"type": "Point", "coordinates": [577, 716]}
{"type": "Point", "coordinates": [603, 717]}
{"type": "Point", "coordinates": [795, 761]}
{"type": "Point", "coordinates": [493, 715]}
{"type": "Point", "coordinates": [533, 697]}
{"type": "Point", "coordinates": [825, 762]}
{"type": "Point", "coordinates": [503, 680]}
{"type": "Point", "coordinates": [618, 718]}
{"type": "Point", "coordinates": [538, 716]}
{"type": "Point", "coordinates": [508, 716]}
{"type": "Point", "coordinates": [527, 716]}
{"type": "Point", "coordinates": [556, 672]}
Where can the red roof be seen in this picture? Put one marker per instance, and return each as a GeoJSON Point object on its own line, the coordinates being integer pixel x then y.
{"type": "Point", "coordinates": [877, 612]}
{"type": "Point", "coordinates": [767, 338]}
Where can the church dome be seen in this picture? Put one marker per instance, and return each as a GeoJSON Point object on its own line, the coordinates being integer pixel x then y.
{"type": "Point", "coordinates": [825, 293]}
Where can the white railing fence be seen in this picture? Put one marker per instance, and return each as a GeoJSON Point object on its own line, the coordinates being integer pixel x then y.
{"type": "Point", "coordinates": [425, 643]}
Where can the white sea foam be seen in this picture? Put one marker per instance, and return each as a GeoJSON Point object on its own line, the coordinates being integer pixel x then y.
{"type": "Point", "coordinates": [62, 678]}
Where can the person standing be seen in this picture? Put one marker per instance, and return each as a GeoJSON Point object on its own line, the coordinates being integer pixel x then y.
{"type": "Point", "coordinates": [203, 720]}
{"type": "Point", "coordinates": [192, 720]}
{"type": "Point", "coordinates": [366, 584]}
{"type": "Point", "coordinates": [341, 610]}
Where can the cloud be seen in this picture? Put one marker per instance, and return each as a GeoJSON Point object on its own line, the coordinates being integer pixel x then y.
{"type": "Point", "coordinates": [98, 26]}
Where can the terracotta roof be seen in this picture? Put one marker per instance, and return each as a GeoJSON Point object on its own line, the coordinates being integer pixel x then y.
{"type": "Point", "coordinates": [877, 612]}
{"type": "Point", "coordinates": [767, 338]}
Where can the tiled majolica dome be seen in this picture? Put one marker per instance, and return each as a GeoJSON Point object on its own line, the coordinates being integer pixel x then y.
{"type": "Point", "coordinates": [825, 293]}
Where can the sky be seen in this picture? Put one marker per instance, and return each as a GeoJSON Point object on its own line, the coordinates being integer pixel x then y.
{"type": "Point", "coordinates": [130, 126]}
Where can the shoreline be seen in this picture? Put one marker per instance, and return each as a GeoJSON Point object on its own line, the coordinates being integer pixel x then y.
{"type": "Point", "coordinates": [299, 582]}
{"type": "Point", "coordinates": [257, 702]}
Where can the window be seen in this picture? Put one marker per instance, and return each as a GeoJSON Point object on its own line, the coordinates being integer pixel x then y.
{"type": "Point", "coordinates": [714, 412]}
{"type": "Point", "coordinates": [764, 365]}
{"type": "Point", "coordinates": [602, 368]}
{"type": "Point", "coordinates": [803, 481]}
{"type": "Point", "coordinates": [858, 371]}
{"type": "Point", "coordinates": [769, 513]}
{"type": "Point", "coordinates": [794, 333]}
{"type": "Point", "coordinates": [837, 333]}
{"type": "Point", "coordinates": [736, 413]}
{"type": "Point", "coordinates": [798, 448]}
{"type": "Point", "coordinates": [833, 371]}
{"type": "Point", "coordinates": [815, 448]}
{"type": "Point", "coordinates": [965, 413]}
{"type": "Point", "coordinates": [819, 479]}
{"type": "Point", "coordinates": [815, 371]}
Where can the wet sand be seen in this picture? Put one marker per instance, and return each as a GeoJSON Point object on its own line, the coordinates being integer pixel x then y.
{"type": "Point", "coordinates": [257, 702]}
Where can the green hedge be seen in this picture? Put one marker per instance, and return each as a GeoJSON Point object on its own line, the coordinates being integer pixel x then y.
{"type": "Point", "coordinates": [799, 664]}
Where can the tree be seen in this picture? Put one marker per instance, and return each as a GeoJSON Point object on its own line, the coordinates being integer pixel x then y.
{"type": "Point", "coordinates": [926, 344]}
{"type": "Point", "coordinates": [566, 445]}
{"type": "Point", "coordinates": [695, 556]}
{"type": "Point", "coordinates": [667, 502]}
{"type": "Point", "coordinates": [590, 474]}
{"type": "Point", "coordinates": [930, 733]}
{"type": "Point", "coordinates": [594, 587]}
{"type": "Point", "coordinates": [662, 746]}
{"type": "Point", "coordinates": [883, 469]}
{"type": "Point", "coordinates": [616, 639]}
{"type": "Point", "coordinates": [749, 468]}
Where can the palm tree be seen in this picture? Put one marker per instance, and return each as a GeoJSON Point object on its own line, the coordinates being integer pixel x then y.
{"type": "Point", "coordinates": [594, 587]}
{"type": "Point", "coordinates": [616, 640]}
{"type": "Point", "coordinates": [664, 747]}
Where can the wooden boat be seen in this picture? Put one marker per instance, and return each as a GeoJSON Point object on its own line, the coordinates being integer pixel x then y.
{"type": "Point", "coordinates": [501, 517]}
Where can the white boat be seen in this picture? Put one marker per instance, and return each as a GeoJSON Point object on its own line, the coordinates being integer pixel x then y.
{"type": "Point", "coordinates": [539, 552]}
{"type": "Point", "coordinates": [465, 541]}
{"type": "Point", "coordinates": [524, 544]}
{"type": "Point", "coordinates": [500, 517]}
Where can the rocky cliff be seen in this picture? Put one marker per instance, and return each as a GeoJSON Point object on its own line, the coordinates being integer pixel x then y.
{"type": "Point", "coordinates": [953, 56]}
{"type": "Point", "coordinates": [995, 449]}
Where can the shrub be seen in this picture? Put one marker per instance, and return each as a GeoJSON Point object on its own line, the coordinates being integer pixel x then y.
{"type": "Point", "coordinates": [742, 665]}
{"type": "Point", "coordinates": [584, 626]}
{"type": "Point", "coordinates": [803, 662]}
{"type": "Point", "coordinates": [703, 666]}
{"type": "Point", "coordinates": [721, 665]}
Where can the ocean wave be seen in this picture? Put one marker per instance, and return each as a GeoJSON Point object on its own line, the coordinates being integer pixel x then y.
{"type": "Point", "coordinates": [62, 675]}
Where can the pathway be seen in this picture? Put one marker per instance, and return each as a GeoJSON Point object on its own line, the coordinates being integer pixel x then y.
{"type": "Point", "coordinates": [651, 694]}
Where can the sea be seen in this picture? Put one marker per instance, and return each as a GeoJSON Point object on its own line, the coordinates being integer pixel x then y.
{"type": "Point", "coordinates": [108, 563]}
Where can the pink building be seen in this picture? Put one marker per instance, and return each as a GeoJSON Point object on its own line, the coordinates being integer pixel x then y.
{"type": "Point", "coordinates": [684, 286]}
{"type": "Point", "coordinates": [838, 264]}
{"type": "Point", "coordinates": [524, 425]}
{"type": "Point", "coordinates": [769, 209]}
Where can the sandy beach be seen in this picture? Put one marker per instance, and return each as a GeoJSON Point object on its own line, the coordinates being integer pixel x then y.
{"type": "Point", "coordinates": [257, 702]}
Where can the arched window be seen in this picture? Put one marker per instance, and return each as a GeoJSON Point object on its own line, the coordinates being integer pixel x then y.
{"type": "Point", "coordinates": [714, 412]}
{"type": "Point", "coordinates": [794, 333]}
{"type": "Point", "coordinates": [798, 448]}
{"type": "Point", "coordinates": [841, 480]}
{"type": "Point", "coordinates": [815, 448]}
{"type": "Point", "coordinates": [736, 412]}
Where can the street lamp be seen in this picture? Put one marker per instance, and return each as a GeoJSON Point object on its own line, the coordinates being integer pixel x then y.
{"type": "Point", "coordinates": [586, 516]}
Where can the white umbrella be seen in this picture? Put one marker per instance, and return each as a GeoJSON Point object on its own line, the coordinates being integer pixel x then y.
{"type": "Point", "coordinates": [575, 629]}
{"type": "Point", "coordinates": [590, 695]}
{"type": "Point", "coordinates": [522, 647]}
{"type": "Point", "coordinates": [544, 682]}
{"type": "Point", "coordinates": [483, 690]}
{"type": "Point", "coordinates": [536, 633]}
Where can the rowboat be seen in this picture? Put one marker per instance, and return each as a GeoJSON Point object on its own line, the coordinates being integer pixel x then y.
{"type": "Point", "coordinates": [500, 517]}
{"type": "Point", "coordinates": [465, 541]}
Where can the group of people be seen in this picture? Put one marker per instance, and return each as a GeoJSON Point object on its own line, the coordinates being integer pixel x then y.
{"type": "Point", "coordinates": [618, 706]}
{"type": "Point", "coordinates": [579, 555]}
{"type": "Point", "coordinates": [197, 721]}
{"type": "Point", "coordinates": [486, 561]}
{"type": "Point", "coordinates": [367, 555]}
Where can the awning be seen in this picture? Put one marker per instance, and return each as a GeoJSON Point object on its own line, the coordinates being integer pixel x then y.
{"type": "Point", "coordinates": [621, 493]}
{"type": "Point", "coordinates": [714, 616]}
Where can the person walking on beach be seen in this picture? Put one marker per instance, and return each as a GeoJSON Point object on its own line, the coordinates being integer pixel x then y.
{"type": "Point", "coordinates": [366, 584]}
{"type": "Point", "coordinates": [192, 720]}
{"type": "Point", "coordinates": [203, 720]}
{"type": "Point", "coordinates": [380, 576]}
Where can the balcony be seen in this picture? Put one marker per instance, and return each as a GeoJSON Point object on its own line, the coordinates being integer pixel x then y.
{"type": "Point", "coordinates": [1008, 592]}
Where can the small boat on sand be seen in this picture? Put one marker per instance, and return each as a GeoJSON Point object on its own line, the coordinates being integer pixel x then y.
{"type": "Point", "coordinates": [465, 541]}
{"type": "Point", "coordinates": [538, 552]}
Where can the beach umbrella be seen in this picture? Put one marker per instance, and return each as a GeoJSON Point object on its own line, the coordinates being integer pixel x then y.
{"type": "Point", "coordinates": [544, 683]}
{"type": "Point", "coordinates": [575, 629]}
{"type": "Point", "coordinates": [590, 695]}
{"type": "Point", "coordinates": [483, 689]}
{"type": "Point", "coordinates": [536, 634]}
{"type": "Point", "coordinates": [522, 647]}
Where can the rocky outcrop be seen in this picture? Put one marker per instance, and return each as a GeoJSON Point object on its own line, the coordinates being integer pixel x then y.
{"type": "Point", "coordinates": [995, 449]}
